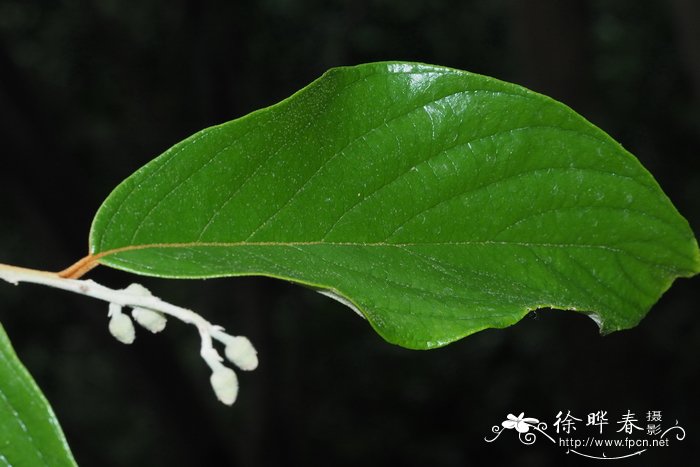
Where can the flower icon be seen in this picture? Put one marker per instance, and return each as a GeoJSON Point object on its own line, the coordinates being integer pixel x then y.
{"type": "Point", "coordinates": [521, 424]}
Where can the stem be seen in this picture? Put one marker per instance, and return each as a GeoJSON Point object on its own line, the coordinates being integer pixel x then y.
{"type": "Point", "coordinates": [7, 270]}
{"type": "Point", "coordinates": [15, 275]}
{"type": "Point", "coordinates": [79, 268]}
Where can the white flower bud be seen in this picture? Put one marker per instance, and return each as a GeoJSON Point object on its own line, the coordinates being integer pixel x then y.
{"type": "Point", "coordinates": [225, 384]}
{"type": "Point", "coordinates": [154, 321]}
{"type": "Point", "coordinates": [241, 353]}
{"type": "Point", "coordinates": [138, 289]}
{"type": "Point", "coordinates": [120, 325]}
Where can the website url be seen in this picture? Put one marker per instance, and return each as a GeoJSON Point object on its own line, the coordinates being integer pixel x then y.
{"type": "Point", "coordinates": [592, 441]}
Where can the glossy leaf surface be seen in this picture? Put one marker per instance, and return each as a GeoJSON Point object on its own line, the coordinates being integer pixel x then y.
{"type": "Point", "coordinates": [435, 201]}
{"type": "Point", "coordinates": [29, 432]}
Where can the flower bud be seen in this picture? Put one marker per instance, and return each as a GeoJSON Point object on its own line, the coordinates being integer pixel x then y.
{"type": "Point", "coordinates": [225, 384]}
{"type": "Point", "coordinates": [121, 326]}
{"type": "Point", "coordinates": [138, 289]}
{"type": "Point", "coordinates": [154, 321]}
{"type": "Point", "coordinates": [241, 353]}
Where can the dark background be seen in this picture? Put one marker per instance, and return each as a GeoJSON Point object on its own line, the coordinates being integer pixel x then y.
{"type": "Point", "coordinates": [90, 91]}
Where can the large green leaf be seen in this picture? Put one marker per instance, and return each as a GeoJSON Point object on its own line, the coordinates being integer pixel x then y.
{"type": "Point", "coordinates": [434, 201]}
{"type": "Point", "coordinates": [29, 432]}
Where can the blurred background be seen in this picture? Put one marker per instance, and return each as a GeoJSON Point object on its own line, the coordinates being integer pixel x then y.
{"type": "Point", "coordinates": [90, 91]}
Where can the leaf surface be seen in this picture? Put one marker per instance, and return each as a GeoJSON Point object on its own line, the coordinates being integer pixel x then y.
{"type": "Point", "coordinates": [435, 202]}
{"type": "Point", "coordinates": [29, 431]}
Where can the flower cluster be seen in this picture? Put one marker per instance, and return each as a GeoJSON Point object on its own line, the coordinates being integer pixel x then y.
{"type": "Point", "coordinates": [237, 349]}
{"type": "Point", "coordinates": [150, 313]}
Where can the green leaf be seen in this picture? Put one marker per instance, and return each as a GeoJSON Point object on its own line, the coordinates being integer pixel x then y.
{"type": "Point", "coordinates": [434, 201]}
{"type": "Point", "coordinates": [29, 431]}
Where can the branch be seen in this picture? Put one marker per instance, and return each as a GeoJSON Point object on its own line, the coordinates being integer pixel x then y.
{"type": "Point", "coordinates": [149, 310]}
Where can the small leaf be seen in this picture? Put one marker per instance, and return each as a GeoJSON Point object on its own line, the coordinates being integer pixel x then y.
{"type": "Point", "coordinates": [434, 201]}
{"type": "Point", "coordinates": [29, 431]}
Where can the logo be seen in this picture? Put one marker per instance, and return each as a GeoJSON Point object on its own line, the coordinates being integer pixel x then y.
{"type": "Point", "coordinates": [600, 437]}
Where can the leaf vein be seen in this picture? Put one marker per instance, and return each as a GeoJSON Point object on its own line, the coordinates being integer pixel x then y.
{"type": "Point", "coordinates": [341, 152]}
